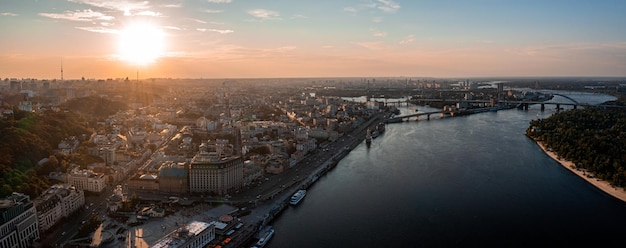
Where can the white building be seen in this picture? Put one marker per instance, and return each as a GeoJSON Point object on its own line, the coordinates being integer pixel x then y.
{"type": "Point", "coordinates": [19, 222]}
{"type": "Point", "coordinates": [57, 202]}
{"type": "Point", "coordinates": [68, 145]}
{"type": "Point", "coordinates": [86, 180]}
{"type": "Point", "coordinates": [212, 173]}
{"type": "Point", "coordinates": [194, 234]}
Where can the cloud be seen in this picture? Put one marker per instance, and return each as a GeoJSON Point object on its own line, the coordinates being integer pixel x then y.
{"type": "Point", "coordinates": [380, 34]}
{"type": "Point", "coordinates": [263, 14]}
{"type": "Point", "coordinates": [372, 45]}
{"type": "Point", "coordinates": [8, 14]}
{"type": "Point", "coordinates": [221, 31]}
{"type": "Point", "coordinates": [388, 6]}
{"type": "Point", "coordinates": [407, 40]}
{"type": "Point", "coordinates": [213, 11]}
{"type": "Point", "coordinates": [199, 21]}
{"type": "Point", "coordinates": [377, 19]}
{"type": "Point", "coordinates": [219, 1]}
{"type": "Point", "coordinates": [299, 16]}
{"type": "Point", "coordinates": [148, 13]}
{"type": "Point", "coordinates": [79, 15]}
{"type": "Point", "coordinates": [350, 9]}
{"type": "Point", "coordinates": [173, 28]}
{"type": "Point", "coordinates": [172, 5]}
{"type": "Point", "coordinates": [125, 6]}
{"type": "Point", "coordinates": [101, 30]}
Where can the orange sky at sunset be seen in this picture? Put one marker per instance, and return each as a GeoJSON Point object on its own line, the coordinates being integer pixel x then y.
{"type": "Point", "coordinates": [373, 38]}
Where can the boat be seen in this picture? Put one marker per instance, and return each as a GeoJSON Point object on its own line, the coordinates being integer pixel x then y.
{"type": "Point", "coordinates": [368, 137]}
{"type": "Point", "coordinates": [314, 179]}
{"type": "Point", "coordinates": [265, 238]}
{"type": "Point", "coordinates": [297, 197]}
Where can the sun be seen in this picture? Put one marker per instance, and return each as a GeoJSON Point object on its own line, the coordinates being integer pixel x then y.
{"type": "Point", "coordinates": [141, 43]}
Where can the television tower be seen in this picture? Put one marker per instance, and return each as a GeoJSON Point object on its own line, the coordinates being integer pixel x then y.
{"type": "Point", "coordinates": [61, 70]}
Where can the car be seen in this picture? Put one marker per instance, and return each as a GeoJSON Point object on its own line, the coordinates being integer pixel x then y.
{"type": "Point", "coordinates": [63, 233]}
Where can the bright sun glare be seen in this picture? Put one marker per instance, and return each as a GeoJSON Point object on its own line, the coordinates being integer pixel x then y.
{"type": "Point", "coordinates": [141, 43]}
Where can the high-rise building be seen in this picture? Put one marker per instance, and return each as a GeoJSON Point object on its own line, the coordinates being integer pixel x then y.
{"type": "Point", "coordinates": [215, 172]}
{"type": "Point", "coordinates": [500, 91]}
{"type": "Point", "coordinates": [57, 202]}
{"type": "Point", "coordinates": [18, 221]}
{"type": "Point", "coordinates": [16, 86]}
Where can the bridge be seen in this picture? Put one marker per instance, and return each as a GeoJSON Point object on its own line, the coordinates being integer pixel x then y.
{"type": "Point", "coordinates": [417, 115]}
{"type": "Point", "coordinates": [566, 97]}
{"type": "Point", "coordinates": [523, 104]}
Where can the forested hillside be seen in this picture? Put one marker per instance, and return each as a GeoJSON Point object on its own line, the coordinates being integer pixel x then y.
{"type": "Point", "coordinates": [594, 139]}
{"type": "Point", "coordinates": [94, 106]}
{"type": "Point", "coordinates": [26, 138]}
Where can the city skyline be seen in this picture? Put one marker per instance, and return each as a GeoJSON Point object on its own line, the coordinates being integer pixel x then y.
{"type": "Point", "coordinates": [372, 38]}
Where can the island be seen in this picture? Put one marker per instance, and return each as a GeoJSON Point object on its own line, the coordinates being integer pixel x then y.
{"type": "Point", "coordinates": [588, 142]}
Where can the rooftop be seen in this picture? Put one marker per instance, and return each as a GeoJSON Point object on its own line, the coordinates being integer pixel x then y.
{"type": "Point", "coordinates": [182, 235]}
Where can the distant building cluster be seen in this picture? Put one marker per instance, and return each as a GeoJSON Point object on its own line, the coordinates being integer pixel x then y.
{"type": "Point", "coordinates": [188, 141]}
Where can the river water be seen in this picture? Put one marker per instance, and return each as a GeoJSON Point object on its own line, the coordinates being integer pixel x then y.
{"type": "Point", "coordinates": [467, 181]}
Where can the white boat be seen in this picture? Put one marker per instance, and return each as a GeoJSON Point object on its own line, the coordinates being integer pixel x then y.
{"type": "Point", "coordinates": [297, 197]}
{"type": "Point", "coordinates": [265, 238]}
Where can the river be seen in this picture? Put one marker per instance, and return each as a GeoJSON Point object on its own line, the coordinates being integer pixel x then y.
{"type": "Point", "coordinates": [466, 181]}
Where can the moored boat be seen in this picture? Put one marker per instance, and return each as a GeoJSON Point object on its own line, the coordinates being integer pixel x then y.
{"type": "Point", "coordinates": [265, 237]}
{"type": "Point", "coordinates": [297, 197]}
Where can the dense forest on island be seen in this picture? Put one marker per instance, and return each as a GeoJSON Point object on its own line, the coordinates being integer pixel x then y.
{"type": "Point", "coordinates": [593, 139]}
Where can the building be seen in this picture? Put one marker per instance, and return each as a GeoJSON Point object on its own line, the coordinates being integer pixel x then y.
{"type": "Point", "coordinates": [87, 180]}
{"type": "Point", "coordinates": [194, 234]}
{"type": "Point", "coordinates": [213, 172]}
{"type": "Point", "coordinates": [68, 145]}
{"type": "Point", "coordinates": [173, 178]}
{"type": "Point", "coordinates": [58, 202]}
{"type": "Point", "coordinates": [18, 221]}
{"type": "Point", "coordinates": [25, 104]}
{"type": "Point", "coordinates": [144, 182]}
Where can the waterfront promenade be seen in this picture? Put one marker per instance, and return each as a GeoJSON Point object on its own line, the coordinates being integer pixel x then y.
{"type": "Point", "coordinates": [605, 186]}
{"type": "Point", "coordinates": [263, 202]}
{"type": "Point", "coordinates": [270, 205]}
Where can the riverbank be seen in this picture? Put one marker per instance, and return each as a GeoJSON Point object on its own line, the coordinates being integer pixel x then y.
{"type": "Point", "coordinates": [605, 186]}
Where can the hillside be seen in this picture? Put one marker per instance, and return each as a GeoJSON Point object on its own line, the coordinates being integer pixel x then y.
{"type": "Point", "coordinates": [25, 139]}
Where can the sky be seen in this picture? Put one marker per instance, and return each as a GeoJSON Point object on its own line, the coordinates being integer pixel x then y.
{"type": "Point", "coordinates": [305, 38]}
